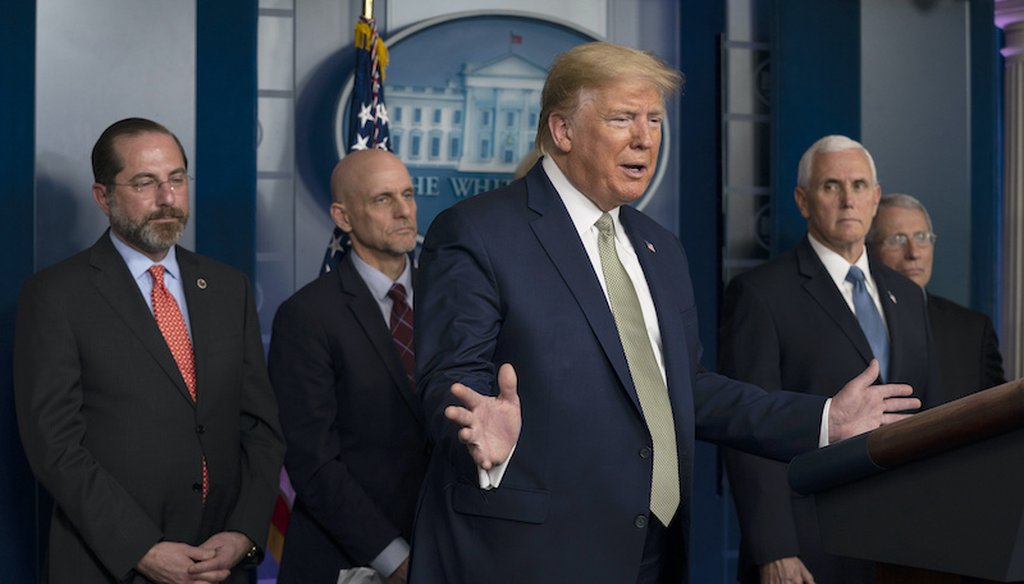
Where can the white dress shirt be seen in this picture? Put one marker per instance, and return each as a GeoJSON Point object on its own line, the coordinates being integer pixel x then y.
{"type": "Point", "coordinates": [837, 268]}
{"type": "Point", "coordinates": [584, 214]}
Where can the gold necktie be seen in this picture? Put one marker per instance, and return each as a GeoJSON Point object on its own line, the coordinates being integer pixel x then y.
{"type": "Point", "coordinates": [650, 385]}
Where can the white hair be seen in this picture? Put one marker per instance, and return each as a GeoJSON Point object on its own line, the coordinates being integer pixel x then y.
{"type": "Point", "coordinates": [826, 145]}
{"type": "Point", "coordinates": [902, 201]}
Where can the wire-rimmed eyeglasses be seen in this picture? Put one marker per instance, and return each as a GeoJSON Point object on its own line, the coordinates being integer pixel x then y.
{"type": "Point", "coordinates": [147, 185]}
{"type": "Point", "coordinates": [923, 238]}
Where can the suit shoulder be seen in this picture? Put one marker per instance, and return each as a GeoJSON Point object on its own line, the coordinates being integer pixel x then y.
{"type": "Point", "coordinates": [63, 279]}
{"type": "Point", "coordinates": [208, 264]}
{"type": "Point", "coordinates": [953, 309]}
{"type": "Point", "coordinates": [893, 279]}
{"type": "Point", "coordinates": [492, 202]}
{"type": "Point", "coordinates": [321, 298]}
{"type": "Point", "coordinates": [317, 290]}
{"type": "Point", "coordinates": [215, 274]}
{"type": "Point", "coordinates": [495, 214]}
{"type": "Point", "coordinates": [646, 223]}
{"type": "Point", "coordinates": [780, 270]}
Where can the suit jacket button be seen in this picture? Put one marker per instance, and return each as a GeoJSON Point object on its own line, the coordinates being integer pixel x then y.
{"type": "Point", "coordinates": [640, 521]}
{"type": "Point", "coordinates": [200, 429]}
{"type": "Point", "coordinates": [197, 488]}
{"type": "Point", "coordinates": [645, 452]}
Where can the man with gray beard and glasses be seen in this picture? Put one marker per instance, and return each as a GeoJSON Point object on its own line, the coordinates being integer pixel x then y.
{"type": "Point", "coordinates": [141, 390]}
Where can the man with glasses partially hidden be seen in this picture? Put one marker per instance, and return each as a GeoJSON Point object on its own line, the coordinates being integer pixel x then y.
{"type": "Point", "coordinates": [965, 340]}
{"type": "Point", "coordinates": [142, 395]}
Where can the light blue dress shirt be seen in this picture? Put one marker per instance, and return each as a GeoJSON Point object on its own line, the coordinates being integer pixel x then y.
{"type": "Point", "coordinates": [138, 266]}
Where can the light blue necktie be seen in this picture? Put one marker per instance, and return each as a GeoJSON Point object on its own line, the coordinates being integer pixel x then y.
{"type": "Point", "coordinates": [870, 321]}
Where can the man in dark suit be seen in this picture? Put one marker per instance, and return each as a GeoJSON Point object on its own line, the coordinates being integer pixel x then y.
{"type": "Point", "coordinates": [557, 329]}
{"type": "Point", "coordinates": [803, 322]}
{"type": "Point", "coordinates": [357, 450]}
{"type": "Point", "coordinates": [142, 394]}
{"type": "Point", "coordinates": [902, 238]}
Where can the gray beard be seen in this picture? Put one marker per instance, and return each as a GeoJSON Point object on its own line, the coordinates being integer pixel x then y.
{"type": "Point", "coordinates": [145, 235]}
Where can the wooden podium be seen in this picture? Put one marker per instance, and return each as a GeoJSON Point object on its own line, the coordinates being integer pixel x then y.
{"type": "Point", "coordinates": [935, 498]}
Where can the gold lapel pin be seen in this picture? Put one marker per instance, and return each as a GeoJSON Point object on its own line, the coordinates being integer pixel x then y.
{"type": "Point", "coordinates": [201, 283]}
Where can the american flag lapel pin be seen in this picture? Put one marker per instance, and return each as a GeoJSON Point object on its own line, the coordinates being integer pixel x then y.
{"type": "Point", "coordinates": [650, 247]}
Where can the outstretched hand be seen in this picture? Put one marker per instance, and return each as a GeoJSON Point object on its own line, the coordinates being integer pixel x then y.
{"type": "Point", "coordinates": [490, 425]}
{"type": "Point", "coordinates": [861, 407]}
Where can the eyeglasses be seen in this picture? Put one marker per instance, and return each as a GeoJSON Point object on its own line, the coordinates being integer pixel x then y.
{"type": "Point", "coordinates": [922, 238]}
{"type": "Point", "coordinates": [148, 185]}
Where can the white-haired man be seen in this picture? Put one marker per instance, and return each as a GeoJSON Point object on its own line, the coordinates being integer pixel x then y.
{"type": "Point", "coordinates": [965, 340]}
{"type": "Point", "coordinates": [807, 321]}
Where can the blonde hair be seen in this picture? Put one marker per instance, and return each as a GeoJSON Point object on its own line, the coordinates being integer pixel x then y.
{"type": "Point", "coordinates": [595, 65]}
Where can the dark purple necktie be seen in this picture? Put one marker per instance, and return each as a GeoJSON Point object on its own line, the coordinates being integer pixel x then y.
{"type": "Point", "coordinates": [401, 330]}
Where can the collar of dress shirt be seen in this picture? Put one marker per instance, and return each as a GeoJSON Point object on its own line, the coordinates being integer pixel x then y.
{"type": "Point", "coordinates": [139, 264]}
{"type": "Point", "coordinates": [583, 212]}
{"type": "Point", "coordinates": [378, 282]}
{"type": "Point", "coordinates": [838, 267]}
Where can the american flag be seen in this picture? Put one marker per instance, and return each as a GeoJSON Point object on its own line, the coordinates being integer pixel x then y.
{"type": "Point", "coordinates": [368, 123]}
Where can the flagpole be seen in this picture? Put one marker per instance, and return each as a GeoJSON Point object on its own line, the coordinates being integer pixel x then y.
{"type": "Point", "coordinates": [368, 9]}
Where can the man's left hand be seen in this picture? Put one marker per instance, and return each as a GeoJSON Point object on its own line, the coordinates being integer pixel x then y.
{"type": "Point", "coordinates": [861, 407]}
{"type": "Point", "coordinates": [489, 425]}
{"type": "Point", "coordinates": [230, 548]}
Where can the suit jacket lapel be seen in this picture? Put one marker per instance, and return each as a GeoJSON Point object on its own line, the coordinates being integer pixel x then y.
{"type": "Point", "coordinates": [674, 346]}
{"type": "Point", "coordinates": [556, 233]}
{"type": "Point", "coordinates": [115, 283]}
{"type": "Point", "coordinates": [894, 320]}
{"type": "Point", "coordinates": [194, 282]}
{"type": "Point", "coordinates": [823, 290]}
{"type": "Point", "coordinates": [367, 312]}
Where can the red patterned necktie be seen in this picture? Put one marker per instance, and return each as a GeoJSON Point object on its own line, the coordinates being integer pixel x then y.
{"type": "Point", "coordinates": [172, 326]}
{"type": "Point", "coordinates": [401, 330]}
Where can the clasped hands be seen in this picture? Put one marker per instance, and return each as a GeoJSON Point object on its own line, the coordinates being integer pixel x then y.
{"type": "Point", "coordinates": [171, 562]}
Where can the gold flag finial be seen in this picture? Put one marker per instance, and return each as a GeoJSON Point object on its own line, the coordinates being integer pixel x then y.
{"type": "Point", "coordinates": [368, 9]}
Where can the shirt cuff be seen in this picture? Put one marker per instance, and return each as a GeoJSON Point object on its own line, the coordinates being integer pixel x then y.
{"type": "Point", "coordinates": [388, 560]}
{"type": "Point", "coordinates": [823, 435]}
{"type": "Point", "coordinates": [490, 479]}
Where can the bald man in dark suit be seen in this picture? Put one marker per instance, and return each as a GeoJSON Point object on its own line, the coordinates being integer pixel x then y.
{"type": "Point", "coordinates": [357, 447]}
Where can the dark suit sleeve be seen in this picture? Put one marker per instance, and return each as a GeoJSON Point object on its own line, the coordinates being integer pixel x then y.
{"type": "Point", "coordinates": [261, 438]}
{"type": "Point", "coordinates": [750, 351]}
{"type": "Point", "coordinates": [304, 377]}
{"type": "Point", "coordinates": [48, 386]}
{"type": "Point", "coordinates": [458, 317]}
{"type": "Point", "coordinates": [992, 360]}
